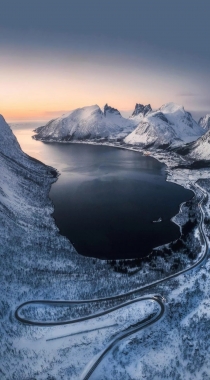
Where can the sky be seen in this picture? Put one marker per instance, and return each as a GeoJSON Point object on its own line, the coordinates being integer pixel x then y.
{"type": "Point", "coordinates": [58, 55]}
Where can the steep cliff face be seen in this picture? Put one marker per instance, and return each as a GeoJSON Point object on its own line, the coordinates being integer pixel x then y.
{"type": "Point", "coordinates": [38, 263]}
{"type": "Point", "coordinates": [26, 221]}
{"type": "Point", "coordinates": [24, 183]}
{"type": "Point", "coordinates": [31, 250]}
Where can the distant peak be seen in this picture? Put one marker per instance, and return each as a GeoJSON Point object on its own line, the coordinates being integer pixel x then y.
{"type": "Point", "coordinates": [204, 122]}
{"type": "Point", "coordinates": [140, 108]}
{"type": "Point", "coordinates": [171, 107]}
{"type": "Point", "coordinates": [110, 110]}
{"type": "Point", "coordinates": [85, 111]}
{"type": "Point", "coordinates": [94, 107]}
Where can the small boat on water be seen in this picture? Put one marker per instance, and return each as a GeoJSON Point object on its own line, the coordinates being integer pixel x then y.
{"type": "Point", "coordinates": [157, 221]}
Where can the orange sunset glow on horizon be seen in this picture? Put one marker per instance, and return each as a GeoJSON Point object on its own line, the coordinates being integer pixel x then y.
{"type": "Point", "coordinates": [40, 86]}
{"type": "Point", "coordinates": [46, 70]}
{"type": "Point", "coordinates": [33, 91]}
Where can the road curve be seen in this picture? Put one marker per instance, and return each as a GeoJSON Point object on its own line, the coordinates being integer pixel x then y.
{"type": "Point", "coordinates": [134, 329]}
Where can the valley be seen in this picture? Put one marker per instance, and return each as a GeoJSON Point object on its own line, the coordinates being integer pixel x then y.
{"type": "Point", "coordinates": [40, 264]}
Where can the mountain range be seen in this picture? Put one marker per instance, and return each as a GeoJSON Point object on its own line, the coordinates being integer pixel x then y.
{"type": "Point", "coordinates": [168, 127]}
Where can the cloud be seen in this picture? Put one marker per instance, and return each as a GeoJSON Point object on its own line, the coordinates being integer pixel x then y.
{"type": "Point", "coordinates": [186, 94]}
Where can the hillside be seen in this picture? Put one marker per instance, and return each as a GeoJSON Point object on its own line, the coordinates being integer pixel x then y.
{"type": "Point", "coordinates": [200, 149]}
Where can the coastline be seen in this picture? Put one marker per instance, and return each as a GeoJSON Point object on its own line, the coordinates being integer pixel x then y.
{"type": "Point", "coordinates": [42, 264]}
{"type": "Point", "coordinates": [141, 151]}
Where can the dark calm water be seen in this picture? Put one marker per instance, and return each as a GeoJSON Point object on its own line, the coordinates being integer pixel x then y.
{"type": "Point", "coordinates": [106, 198]}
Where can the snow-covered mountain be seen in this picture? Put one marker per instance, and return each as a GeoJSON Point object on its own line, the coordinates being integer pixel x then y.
{"type": "Point", "coordinates": [87, 123]}
{"type": "Point", "coordinates": [204, 122]}
{"type": "Point", "coordinates": [21, 175]}
{"type": "Point", "coordinates": [198, 150]}
{"type": "Point", "coordinates": [170, 125]}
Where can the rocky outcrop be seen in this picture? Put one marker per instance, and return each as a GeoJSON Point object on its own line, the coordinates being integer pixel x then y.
{"type": "Point", "coordinates": [141, 109]}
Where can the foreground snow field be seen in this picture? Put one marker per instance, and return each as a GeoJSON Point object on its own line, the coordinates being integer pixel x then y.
{"type": "Point", "coordinates": [38, 263]}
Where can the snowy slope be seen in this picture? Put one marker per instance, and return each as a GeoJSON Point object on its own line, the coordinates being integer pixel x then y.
{"type": "Point", "coordinates": [10, 150]}
{"type": "Point", "coordinates": [200, 149]}
{"type": "Point", "coordinates": [8, 142]}
{"type": "Point", "coordinates": [204, 122]}
{"type": "Point", "coordinates": [169, 125]}
{"type": "Point", "coordinates": [18, 172]}
{"type": "Point", "coordinates": [87, 123]}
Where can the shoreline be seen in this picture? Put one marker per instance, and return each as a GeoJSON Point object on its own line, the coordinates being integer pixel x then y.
{"type": "Point", "coordinates": [48, 268]}
{"type": "Point", "coordinates": [137, 150]}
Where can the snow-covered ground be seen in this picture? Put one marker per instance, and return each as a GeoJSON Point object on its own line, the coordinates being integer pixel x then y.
{"type": "Point", "coordinates": [38, 263]}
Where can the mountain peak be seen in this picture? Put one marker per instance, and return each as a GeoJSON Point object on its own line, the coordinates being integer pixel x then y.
{"type": "Point", "coordinates": [87, 123]}
{"type": "Point", "coordinates": [204, 122]}
{"type": "Point", "coordinates": [110, 110]}
{"type": "Point", "coordinates": [171, 108]}
{"type": "Point", "coordinates": [141, 109]}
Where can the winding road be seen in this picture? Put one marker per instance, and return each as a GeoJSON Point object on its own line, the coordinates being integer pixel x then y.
{"type": "Point", "coordinates": [133, 329]}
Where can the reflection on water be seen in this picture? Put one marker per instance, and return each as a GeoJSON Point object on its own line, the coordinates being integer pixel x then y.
{"type": "Point", "coordinates": [106, 198]}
